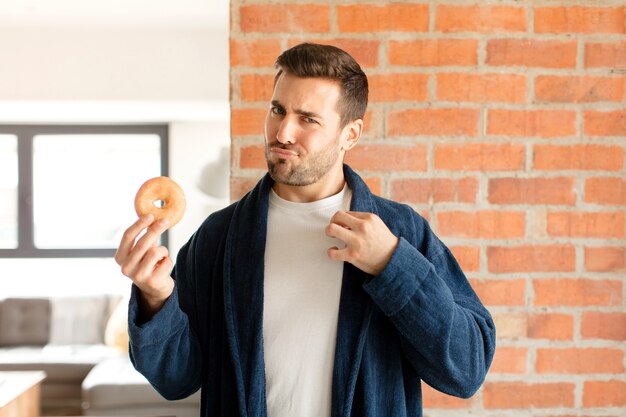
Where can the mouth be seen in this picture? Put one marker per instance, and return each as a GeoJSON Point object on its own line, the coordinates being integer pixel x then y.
{"type": "Point", "coordinates": [283, 153]}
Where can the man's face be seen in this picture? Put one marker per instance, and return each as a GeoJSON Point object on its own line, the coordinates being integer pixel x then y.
{"type": "Point", "coordinates": [302, 134]}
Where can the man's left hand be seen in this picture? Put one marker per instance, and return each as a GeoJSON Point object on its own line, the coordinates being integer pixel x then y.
{"type": "Point", "coordinates": [369, 242]}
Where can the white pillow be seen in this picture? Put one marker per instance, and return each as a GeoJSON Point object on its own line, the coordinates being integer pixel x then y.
{"type": "Point", "coordinates": [78, 320]}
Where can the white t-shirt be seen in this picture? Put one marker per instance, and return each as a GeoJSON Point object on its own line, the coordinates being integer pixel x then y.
{"type": "Point", "coordinates": [301, 304]}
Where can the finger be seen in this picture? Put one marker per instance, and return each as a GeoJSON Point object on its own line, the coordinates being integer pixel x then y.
{"type": "Point", "coordinates": [152, 235]}
{"type": "Point", "coordinates": [154, 256]}
{"type": "Point", "coordinates": [164, 267]}
{"type": "Point", "coordinates": [337, 231]}
{"type": "Point", "coordinates": [150, 263]}
{"type": "Point", "coordinates": [336, 254]}
{"type": "Point", "coordinates": [147, 241]}
{"type": "Point", "coordinates": [141, 269]}
{"type": "Point", "coordinates": [344, 219]}
{"type": "Point", "coordinates": [360, 214]}
{"type": "Point", "coordinates": [129, 237]}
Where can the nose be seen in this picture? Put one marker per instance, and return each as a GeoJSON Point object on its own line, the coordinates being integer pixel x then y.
{"type": "Point", "coordinates": [286, 131]}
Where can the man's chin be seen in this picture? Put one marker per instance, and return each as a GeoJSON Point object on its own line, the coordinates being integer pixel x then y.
{"type": "Point", "coordinates": [282, 174]}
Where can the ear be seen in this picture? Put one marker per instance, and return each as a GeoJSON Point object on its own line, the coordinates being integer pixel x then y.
{"type": "Point", "coordinates": [352, 133]}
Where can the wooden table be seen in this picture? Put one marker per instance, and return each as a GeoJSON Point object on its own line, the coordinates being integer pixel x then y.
{"type": "Point", "coordinates": [20, 393]}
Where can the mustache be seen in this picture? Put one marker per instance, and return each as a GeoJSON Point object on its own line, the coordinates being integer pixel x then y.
{"type": "Point", "coordinates": [277, 144]}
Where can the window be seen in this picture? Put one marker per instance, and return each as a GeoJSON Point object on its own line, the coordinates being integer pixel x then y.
{"type": "Point", "coordinates": [8, 191]}
{"type": "Point", "coordinates": [68, 191]}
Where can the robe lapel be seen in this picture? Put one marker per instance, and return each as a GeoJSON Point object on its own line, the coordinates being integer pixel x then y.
{"type": "Point", "coordinates": [243, 297]}
{"type": "Point", "coordinates": [355, 312]}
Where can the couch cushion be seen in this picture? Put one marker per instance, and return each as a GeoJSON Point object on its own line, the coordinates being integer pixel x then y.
{"type": "Point", "coordinates": [61, 363]}
{"type": "Point", "coordinates": [24, 322]}
{"type": "Point", "coordinates": [79, 320]}
{"type": "Point", "coordinates": [115, 383]}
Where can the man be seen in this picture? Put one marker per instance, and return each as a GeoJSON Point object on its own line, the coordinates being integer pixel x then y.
{"type": "Point", "coordinates": [310, 296]}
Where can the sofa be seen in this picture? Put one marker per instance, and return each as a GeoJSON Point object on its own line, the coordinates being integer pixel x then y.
{"type": "Point", "coordinates": [81, 344]}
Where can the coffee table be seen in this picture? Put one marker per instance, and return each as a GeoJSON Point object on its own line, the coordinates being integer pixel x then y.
{"type": "Point", "coordinates": [20, 393]}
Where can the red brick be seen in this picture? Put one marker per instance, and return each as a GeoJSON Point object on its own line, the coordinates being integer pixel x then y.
{"type": "Point", "coordinates": [559, 190]}
{"type": "Point", "coordinates": [374, 184]}
{"type": "Point", "coordinates": [482, 18]}
{"type": "Point", "coordinates": [551, 326]}
{"type": "Point", "coordinates": [480, 157]}
{"type": "Point", "coordinates": [599, 325]}
{"type": "Point", "coordinates": [276, 18]}
{"type": "Point", "coordinates": [605, 123]}
{"type": "Point", "coordinates": [592, 225]}
{"type": "Point", "coordinates": [247, 121]}
{"type": "Point", "coordinates": [509, 360]}
{"type": "Point", "coordinates": [252, 157]}
{"type": "Point", "coordinates": [565, 292]}
{"type": "Point", "coordinates": [512, 325]}
{"type": "Point", "coordinates": [482, 224]}
{"type": "Point", "coordinates": [239, 186]}
{"type": "Point", "coordinates": [373, 123]}
{"type": "Point", "coordinates": [254, 53]}
{"type": "Point", "coordinates": [538, 258]}
{"type": "Point", "coordinates": [500, 292]}
{"type": "Point", "coordinates": [584, 89]}
{"type": "Point", "coordinates": [521, 395]}
{"type": "Point", "coordinates": [434, 52]}
{"type": "Point", "coordinates": [579, 361]}
{"type": "Point", "coordinates": [605, 55]}
{"type": "Point", "coordinates": [256, 87]}
{"type": "Point", "coordinates": [398, 87]}
{"type": "Point", "coordinates": [531, 123]}
{"type": "Point", "coordinates": [605, 259]}
{"type": "Point", "coordinates": [393, 17]}
{"type": "Point", "coordinates": [575, 19]}
{"type": "Point", "coordinates": [604, 393]}
{"type": "Point", "coordinates": [481, 88]}
{"type": "Point", "coordinates": [605, 190]}
{"type": "Point", "coordinates": [531, 53]}
{"type": "Point", "coordinates": [578, 157]}
{"type": "Point", "coordinates": [445, 122]}
{"type": "Point", "coordinates": [364, 51]}
{"type": "Point", "coordinates": [388, 158]}
{"type": "Point", "coordinates": [432, 398]}
{"type": "Point", "coordinates": [435, 190]}
{"type": "Point", "coordinates": [468, 257]}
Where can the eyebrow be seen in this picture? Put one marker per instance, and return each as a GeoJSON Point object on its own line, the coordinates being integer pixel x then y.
{"type": "Point", "coordinates": [305, 113]}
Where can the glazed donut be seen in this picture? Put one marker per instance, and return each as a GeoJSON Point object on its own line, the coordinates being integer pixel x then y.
{"type": "Point", "coordinates": [168, 192]}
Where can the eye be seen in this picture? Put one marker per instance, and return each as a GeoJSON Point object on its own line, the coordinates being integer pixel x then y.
{"type": "Point", "coordinates": [309, 120]}
{"type": "Point", "coordinates": [277, 110]}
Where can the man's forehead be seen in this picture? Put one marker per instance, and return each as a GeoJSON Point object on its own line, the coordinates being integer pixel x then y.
{"type": "Point", "coordinates": [310, 94]}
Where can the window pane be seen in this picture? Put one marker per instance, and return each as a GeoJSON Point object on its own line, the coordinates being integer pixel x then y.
{"type": "Point", "coordinates": [84, 187]}
{"type": "Point", "coordinates": [8, 191]}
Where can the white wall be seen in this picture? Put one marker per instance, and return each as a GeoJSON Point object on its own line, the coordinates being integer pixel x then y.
{"type": "Point", "coordinates": [113, 64]}
{"type": "Point", "coordinates": [119, 75]}
{"type": "Point", "coordinates": [199, 153]}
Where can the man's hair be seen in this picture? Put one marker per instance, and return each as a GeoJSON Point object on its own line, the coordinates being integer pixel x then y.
{"type": "Point", "coordinates": [329, 62]}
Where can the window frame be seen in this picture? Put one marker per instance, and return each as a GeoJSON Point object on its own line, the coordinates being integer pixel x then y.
{"type": "Point", "coordinates": [25, 218]}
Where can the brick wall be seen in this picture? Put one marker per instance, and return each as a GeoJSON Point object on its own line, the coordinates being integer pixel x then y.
{"type": "Point", "coordinates": [504, 124]}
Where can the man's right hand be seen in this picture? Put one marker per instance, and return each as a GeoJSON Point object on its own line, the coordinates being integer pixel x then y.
{"type": "Point", "coordinates": [147, 264]}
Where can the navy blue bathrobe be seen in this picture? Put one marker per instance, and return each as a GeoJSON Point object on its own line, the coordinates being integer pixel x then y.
{"type": "Point", "coordinates": [417, 320]}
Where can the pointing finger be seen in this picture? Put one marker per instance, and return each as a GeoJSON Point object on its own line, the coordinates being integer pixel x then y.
{"type": "Point", "coordinates": [129, 237]}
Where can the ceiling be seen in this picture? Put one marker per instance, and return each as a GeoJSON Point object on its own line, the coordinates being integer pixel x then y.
{"type": "Point", "coordinates": [205, 14]}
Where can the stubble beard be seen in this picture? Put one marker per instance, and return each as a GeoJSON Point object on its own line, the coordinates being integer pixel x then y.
{"type": "Point", "coordinates": [310, 169]}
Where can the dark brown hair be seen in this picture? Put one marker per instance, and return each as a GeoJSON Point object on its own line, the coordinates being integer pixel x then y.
{"type": "Point", "coordinates": [329, 62]}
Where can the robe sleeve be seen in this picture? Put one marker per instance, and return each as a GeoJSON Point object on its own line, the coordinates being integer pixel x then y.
{"type": "Point", "coordinates": [447, 334]}
{"type": "Point", "coordinates": [165, 349]}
